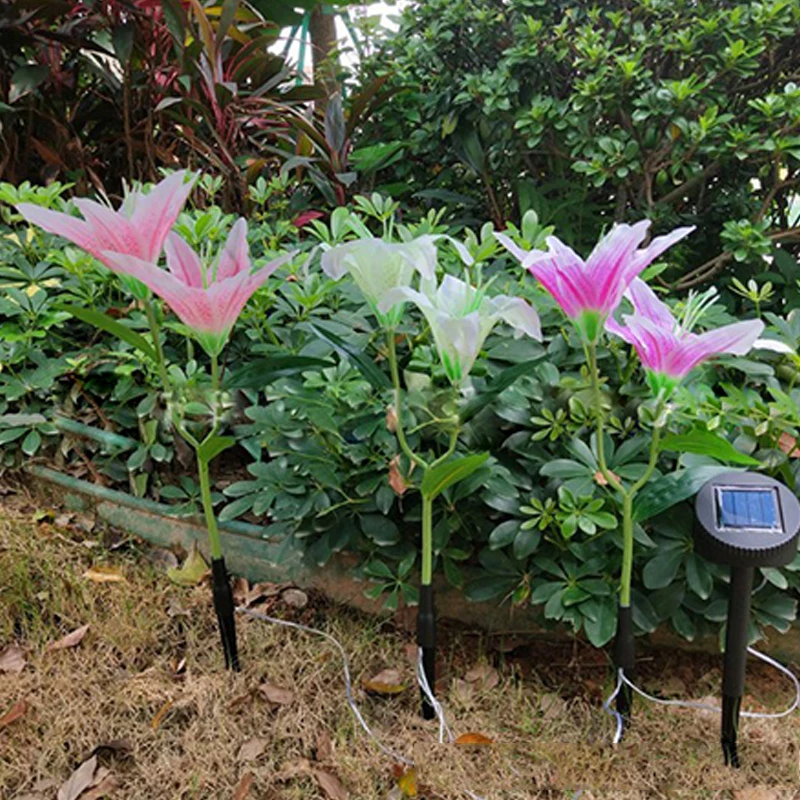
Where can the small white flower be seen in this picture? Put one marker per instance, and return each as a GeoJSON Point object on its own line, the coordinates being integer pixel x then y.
{"type": "Point", "coordinates": [461, 317]}
{"type": "Point", "coordinates": [377, 267]}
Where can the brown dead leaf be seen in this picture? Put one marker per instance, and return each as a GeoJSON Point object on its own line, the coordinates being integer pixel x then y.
{"type": "Point", "coordinates": [275, 694]}
{"type": "Point", "coordinates": [241, 591]}
{"type": "Point", "coordinates": [12, 659]}
{"type": "Point", "coordinates": [391, 419]}
{"type": "Point", "coordinates": [103, 574]}
{"type": "Point", "coordinates": [324, 748]}
{"type": "Point", "coordinates": [162, 559]}
{"type": "Point", "coordinates": [396, 479]}
{"type": "Point", "coordinates": [331, 785]}
{"type": "Point", "coordinates": [241, 700]}
{"type": "Point", "coordinates": [483, 676]}
{"type": "Point", "coordinates": [70, 640]}
{"type": "Point", "coordinates": [551, 706]}
{"type": "Point", "coordinates": [252, 749]}
{"type": "Point", "coordinates": [295, 598]}
{"type": "Point", "coordinates": [105, 783]}
{"type": "Point", "coordinates": [160, 714]}
{"type": "Point", "coordinates": [291, 769]}
{"type": "Point", "coordinates": [244, 786]}
{"type": "Point", "coordinates": [756, 793]}
{"type": "Point", "coordinates": [17, 711]}
{"type": "Point", "coordinates": [41, 790]}
{"type": "Point", "coordinates": [80, 780]}
{"type": "Point", "coordinates": [387, 681]}
{"type": "Point", "coordinates": [474, 738]}
{"type": "Point", "coordinates": [788, 444]}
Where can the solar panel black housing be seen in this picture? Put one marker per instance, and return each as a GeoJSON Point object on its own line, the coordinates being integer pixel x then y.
{"type": "Point", "coordinates": [746, 520]}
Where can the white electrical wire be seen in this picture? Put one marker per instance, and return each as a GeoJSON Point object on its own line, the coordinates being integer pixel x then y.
{"type": "Point", "coordinates": [622, 678]}
{"type": "Point", "coordinates": [422, 680]}
{"type": "Point", "coordinates": [348, 684]}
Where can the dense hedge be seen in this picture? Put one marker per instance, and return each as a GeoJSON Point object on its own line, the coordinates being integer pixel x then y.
{"type": "Point", "coordinates": [680, 111]}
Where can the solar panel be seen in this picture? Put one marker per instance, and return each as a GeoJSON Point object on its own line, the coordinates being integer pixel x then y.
{"type": "Point", "coordinates": [744, 508]}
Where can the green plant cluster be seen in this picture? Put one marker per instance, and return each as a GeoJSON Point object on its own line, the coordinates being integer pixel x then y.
{"type": "Point", "coordinates": [308, 397]}
{"type": "Point", "coordinates": [680, 111]}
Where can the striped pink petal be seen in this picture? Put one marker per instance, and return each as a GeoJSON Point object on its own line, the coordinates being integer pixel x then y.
{"type": "Point", "coordinates": [183, 262]}
{"type": "Point", "coordinates": [736, 339]}
{"type": "Point", "coordinates": [71, 228]}
{"type": "Point", "coordinates": [648, 305]}
{"type": "Point", "coordinates": [235, 257]}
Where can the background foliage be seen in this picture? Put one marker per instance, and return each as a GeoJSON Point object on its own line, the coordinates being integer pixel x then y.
{"type": "Point", "coordinates": [683, 112]}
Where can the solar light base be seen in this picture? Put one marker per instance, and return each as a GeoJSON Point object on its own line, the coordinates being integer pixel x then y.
{"type": "Point", "coordinates": [426, 639]}
{"type": "Point", "coordinates": [223, 605]}
{"type": "Point", "coordinates": [625, 659]}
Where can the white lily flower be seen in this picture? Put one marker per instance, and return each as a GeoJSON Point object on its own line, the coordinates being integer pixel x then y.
{"type": "Point", "coordinates": [377, 267]}
{"type": "Point", "coordinates": [461, 317]}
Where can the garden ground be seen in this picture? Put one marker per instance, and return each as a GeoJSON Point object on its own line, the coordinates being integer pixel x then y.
{"type": "Point", "coordinates": [142, 692]}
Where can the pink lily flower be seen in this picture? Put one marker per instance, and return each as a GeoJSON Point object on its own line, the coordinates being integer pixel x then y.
{"type": "Point", "coordinates": [207, 300]}
{"type": "Point", "coordinates": [669, 350]}
{"type": "Point", "coordinates": [588, 291]}
{"type": "Point", "coordinates": [139, 228]}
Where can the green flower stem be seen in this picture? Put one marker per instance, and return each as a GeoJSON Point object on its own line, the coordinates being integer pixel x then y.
{"type": "Point", "coordinates": [427, 540]}
{"type": "Point", "coordinates": [214, 542]}
{"type": "Point", "coordinates": [155, 332]}
{"type": "Point", "coordinates": [401, 436]}
{"type": "Point", "coordinates": [450, 449]}
{"type": "Point", "coordinates": [627, 551]}
{"type": "Point", "coordinates": [597, 401]}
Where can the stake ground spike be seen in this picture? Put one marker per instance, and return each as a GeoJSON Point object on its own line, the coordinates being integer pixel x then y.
{"type": "Point", "coordinates": [744, 520]}
{"type": "Point", "coordinates": [223, 605]}
{"type": "Point", "coordinates": [426, 639]}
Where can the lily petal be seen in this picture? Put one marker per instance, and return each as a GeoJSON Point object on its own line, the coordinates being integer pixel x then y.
{"type": "Point", "coordinates": [235, 257]}
{"type": "Point", "coordinates": [514, 311]}
{"type": "Point", "coordinates": [183, 262]}
{"type": "Point", "coordinates": [736, 339]}
{"type": "Point", "coordinates": [648, 305]}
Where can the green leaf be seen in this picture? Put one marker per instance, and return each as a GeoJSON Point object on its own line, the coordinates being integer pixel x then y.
{"type": "Point", "coordinates": [706, 443]}
{"type": "Point", "coordinates": [503, 534]}
{"type": "Point", "coordinates": [439, 478]}
{"type": "Point", "coordinates": [505, 379]}
{"type": "Point", "coordinates": [25, 79]}
{"type": "Point", "coordinates": [109, 325]}
{"type": "Point", "coordinates": [378, 379]}
{"type": "Point", "coordinates": [382, 530]}
{"type": "Point", "coordinates": [600, 630]}
{"type": "Point", "coordinates": [564, 468]}
{"type": "Point", "coordinates": [31, 442]}
{"type": "Point", "coordinates": [191, 572]}
{"type": "Point", "coordinates": [668, 490]}
{"type": "Point", "coordinates": [212, 447]}
{"type": "Point", "coordinates": [700, 580]}
{"type": "Point", "coordinates": [660, 571]}
{"type": "Point", "coordinates": [260, 373]}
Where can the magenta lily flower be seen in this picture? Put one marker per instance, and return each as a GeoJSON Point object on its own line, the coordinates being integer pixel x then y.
{"type": "Point", "coordinates": [588, 291]}
{"type": "Point", "coordinates": [139, 228]}
{"type": "Point", "coordinates": [208, 300]}
{"type": "Point", "coordinates": [668, 349]}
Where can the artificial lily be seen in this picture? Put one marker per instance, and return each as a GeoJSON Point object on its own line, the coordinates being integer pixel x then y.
{"type": "Point", "coordinates": [139, 228]}
{"type": "Point", "coordinates": [377, 266]}
{"type": "Point", "coordinates": [588, 291]}
{"type": "Point", "coordinates": [667, 347]}
{"type": "Point", "coordinates": [208, 300]}
{"type": "Point", "coordinates": [461, 317]}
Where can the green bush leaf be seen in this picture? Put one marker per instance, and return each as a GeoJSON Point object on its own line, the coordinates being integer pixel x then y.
{"type": "Point", "coordinates": [505, 379]}
{"type": "Point", "coordinates": [212, 447]}
{"type": "Point", "coordinates": [439, 478]}
{"type": "Point", "coordinates": [706, 443]}
{"type": "Point", "coordinates": [378, 379]}
{"type": "Point", "coordinates": [109, 325]}
{"type": "Point", "coordinates": [668, 490]}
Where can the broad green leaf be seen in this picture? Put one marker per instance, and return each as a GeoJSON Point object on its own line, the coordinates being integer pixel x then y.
{"type": "Point", "coordinates": [668, 490]}
{"type": "Point", "coordinates": [259, 374]}
{"type": "Point", "coordinates": [30, 444]}
{"type": "Point", "coordinates": [660, 571]}
{"type": "Point", "coordinates": [109, 325]}
{"type": "Point", "coordinates": [505, 379]}
{"type": "Point", "coordinates": [439, 478]}
{"type": "Point", "coordinates": [212, 447]}
{"type": "Point", "coordinates": [378, 379]}
{"type": "Point", "coordinates": [191, 572]}
{"type": "Point", "coordinates": [707, 443]}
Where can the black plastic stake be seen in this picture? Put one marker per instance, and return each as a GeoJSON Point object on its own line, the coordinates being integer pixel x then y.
{"type": "Point", "coordinates": [735, 659]}
{"type": "Point", "coordinates": [625, 659]}
{"type": "Point", "coordinates": [426, 639]}
{"type": "Point", "coordinates": [223, 605]}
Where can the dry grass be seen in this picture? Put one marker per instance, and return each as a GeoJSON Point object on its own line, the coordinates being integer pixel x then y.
{"type": "Point", "coordinates": [123, 675]}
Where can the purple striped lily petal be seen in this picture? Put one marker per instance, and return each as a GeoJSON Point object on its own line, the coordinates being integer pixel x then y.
{"type": "Point", "coordinates": [139, 228]}
{"type": "Point", "coordinates": [596, 286]}
{"type": "Point", "coordinates": [669, 353]}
